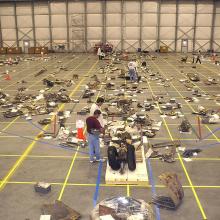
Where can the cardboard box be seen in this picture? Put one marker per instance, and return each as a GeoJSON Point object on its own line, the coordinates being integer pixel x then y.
{"type": "Point", "coordinates": [163, 49]}
{"type": "Point", "coordinates": [3, 50]}
{"type": "Point", "coordinates": [31, 50]}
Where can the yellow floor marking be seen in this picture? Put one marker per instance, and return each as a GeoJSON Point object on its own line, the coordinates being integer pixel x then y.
{"type": "Point", "coordinates": [30, 147]}
{"type": "Point", "coordinates": [128, 190]}
{"type": "Point", "coordinates": [183, 166]}
{"type": "Point", "coordinates": [75, 155]}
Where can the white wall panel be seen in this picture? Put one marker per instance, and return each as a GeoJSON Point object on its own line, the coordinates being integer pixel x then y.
{"type": "Point", "coordinates": [168, 6]}
{"type": "Point", "coordinates": [204, 43]}
{"type": "Point", "coordinates": [94, 7]}
{"type": "Point", "coordinates": [167, 33]}
{"type": "Point", "coordinates": [131, 45]}
{"type": "Point", "coordinates": [217, 6]}
{"type": "Point", "coordinates": [42, 33]}
{"type": "Point", "coordinates": [41, 21]}
{"type": "Point", "coordinates": [8, 22]}
{"type": "Point", "coordinates": [149, 20]}
{"type": "Point", "coordinates": [149, 7]}
{"type": "Point", "coordinates": [168, 43]}
{"type": "Point", "coordinates": [8, 34]}
{"type": "Point", "coordinates": [132, 20]}
{"type": "Point", "coordinates": [186, 20]}
{"type": "Point", "coordinates": [168, 19]}
{"type": "Point", "coordinates": [186, 7]}
{"type": "Point", "coordinates": [113, 20]}
{"type": "Point", "coordinates": [132, 6]}
{"type": "Point", "coordinates": [6, 9]}
{"type": "Point", "coordinates": [59, 33]}
{"type": "Point", "coordinates": [217, 33]}
{"type": "Point", "coordinates": [204, 6]}
{"type": "Point", "coordinates": [204, 20]}
{"type": "Point", "coordinates": [217, 46]}
{"type": "Point", "coordinates": [149, 33]}
{"type": "Point", "coordinates": [217, 21]}
{"type": "Point", "coordinates": [149, 45]}
{"type": "Point", "coordinates": [24, 21]}
{"type": "Point", "coordinates": [94, 33]}
{"type": "Point", "coordinates": [23, 8]}
{"type": "Point", "coordinates": [203, 33]}
{"type": "Point", "coordinates": [113, 33]}
{"type": "Point", "coordinates": [132, 33]}
{"type": "Point", "coordinates": [40, 8]}
{"type": "Point", "coordinates": [76, 7]}
{"type": "Point", "coordinates": [94, 20]}
{"type": "Point", "coordinates": [113, 7]}
{"type": "Point", "coordinates": [58, 20]}
{"type": "Point", "coordinates": [185, 32]}
{"type": "Point", "coordinates": [25, 34]}
{"type": "Point", "coordinates": [58, 7]}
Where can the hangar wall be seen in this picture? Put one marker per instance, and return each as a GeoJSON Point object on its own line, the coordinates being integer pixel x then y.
{"type": "Point", "coordinates": [127, 24]}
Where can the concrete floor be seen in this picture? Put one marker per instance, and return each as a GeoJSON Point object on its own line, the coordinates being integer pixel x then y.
{"type": "Point", "coordinates": [23, 162]}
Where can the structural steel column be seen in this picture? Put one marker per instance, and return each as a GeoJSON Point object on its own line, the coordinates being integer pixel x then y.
{"type": "Point", "coordinates": [33, 22]}
{"type": "Point", "coordinates": [194, 27]}
{"type": "Point", "coordinates": [213, 25]}
{"type": "Point", "coordinates": [50, 23]}
{"type": "Point", "coordinates": [158, 23]}
{"type": "Point", "coordinates": [16, 24]}
{"type": "Point", "coordinates": [141, 23]}
{"type": "Point", "coordinates": [85, 25]}
{"type": "Point", "coordinates": [1, 40]}
{"type": "Point", "coordinates": [104, 21]}
{"type": "Point", "coordinates": [122, 25]}
{"type": "Point", "coordinates": [177, 21]}
{"type": "Point", "coordinates": [67, 26]}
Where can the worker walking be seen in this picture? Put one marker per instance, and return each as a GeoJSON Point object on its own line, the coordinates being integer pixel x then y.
{"type": "Point", "coordinates": [132, 68]}
{"type": "Point", "coordinates": [94, 129]}
{"type": "Point", "coordinates": [198, 58]}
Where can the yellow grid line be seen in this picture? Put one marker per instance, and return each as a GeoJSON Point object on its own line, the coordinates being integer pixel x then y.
{"type": "Point", "coordinates": [30, 147]}
{"type": "Point", "coordinates": [75, 155]}
{"type": "Point", "coordinates": [183, 166]}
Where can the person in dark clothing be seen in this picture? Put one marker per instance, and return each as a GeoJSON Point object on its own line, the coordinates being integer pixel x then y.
{"type": "Point", "coordinates": [94, 129]}
{"type": "Point", "coordinates": [198, 58]}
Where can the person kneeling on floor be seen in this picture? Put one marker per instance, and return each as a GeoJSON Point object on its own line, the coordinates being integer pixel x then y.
{"type": "Point", "coordinates": [94, 129]}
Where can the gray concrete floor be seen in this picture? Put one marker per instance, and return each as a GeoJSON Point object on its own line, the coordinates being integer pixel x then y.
{"type": "Point", "coordinates": [24, 162]}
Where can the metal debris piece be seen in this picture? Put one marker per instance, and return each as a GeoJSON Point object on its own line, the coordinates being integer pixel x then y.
{"type": "Point", "coordinates": [122, 208]}
{"type": "Point", "coordinates": [184, 126]}
{"type": "Point", "coordinates": [42, 187]}
{"type": "Point", "coordinates": [43, 70]}
{"type": "Point", "coordinates": [60, 211]}
{"type": "Point", "coordinates": [190, 152]}
{"type": "Point", "coordinates": [175, 192]}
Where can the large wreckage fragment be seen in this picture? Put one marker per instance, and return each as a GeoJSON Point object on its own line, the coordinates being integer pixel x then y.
{"type": "Point", "coordinates": [123, 208]}
{"type": "Point", "coordinates": [175, 193]}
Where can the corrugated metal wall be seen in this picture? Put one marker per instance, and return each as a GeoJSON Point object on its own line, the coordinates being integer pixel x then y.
{"type": "Point", "coordinates": [126, 24]}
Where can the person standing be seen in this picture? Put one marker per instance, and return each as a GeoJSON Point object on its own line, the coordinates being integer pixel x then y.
{"type": "Point", "coordinates": [94, 129]}
{"type": "Point", "coordinates": [99, 53]}
{"type": "Point", "coordinates": [198, 58]}
{"type": "Point", "coordinates": [97, 106]}
{"type": "Point", "coordinates": [132, 68]}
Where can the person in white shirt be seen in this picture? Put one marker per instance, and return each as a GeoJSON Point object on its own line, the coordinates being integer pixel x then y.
{"type": "Point", "coordinates": [97, 106]}
{"type": "Point", "coordinates": [99, 53]}
{"type": "Point", "coordinates": [132, 67]}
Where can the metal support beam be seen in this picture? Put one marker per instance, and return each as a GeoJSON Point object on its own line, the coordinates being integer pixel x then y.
{"type": "Point", "coordinates": [177, 21]}
{"type": "Point", "coordinates": [213, 25]}
{"type": "Point", "coordinates": [194, 26]}
{"type": "Point", "coordinates": [141, 23]}
{"type": "Point", "coordinates": [122, 25]}
{"type": "Point", "coordinates": [50, 24]}
{"type": "Point", "coordinates": [158, 23]}
{"type": "Point", "coordinates": [16, 24]}
{"type": "Point", "coordinates": [104, 21]}
{"type": "Point", "coordinates": [85, 26]}
{"type": "Point", "coordinates": [1, 40]}
{"type": "Point", "coordinates": [67, 26]}
{"type": "Point", "coordinates": [33, 22]}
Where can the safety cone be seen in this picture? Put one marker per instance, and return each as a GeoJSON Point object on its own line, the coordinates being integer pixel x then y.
{"type": "Point", "coordinates": [80, 134]}
{"type": "Point", "coordinates": [7, 76]}
{"type": "Point", "coordinates": [80, 128]}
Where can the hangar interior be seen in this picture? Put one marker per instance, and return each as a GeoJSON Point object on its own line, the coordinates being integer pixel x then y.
{"type": "Point", "coordinates": [162, 126]}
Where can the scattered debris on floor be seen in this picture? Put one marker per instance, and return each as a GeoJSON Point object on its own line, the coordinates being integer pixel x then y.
{"type": "Point", "coordinates": [127, 208]}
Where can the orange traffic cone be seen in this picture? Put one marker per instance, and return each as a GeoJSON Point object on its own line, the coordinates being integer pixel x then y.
{"type": "Point", "coordinates": [80, 134]}
{"type": "Point", "coordinates": [7, 77]}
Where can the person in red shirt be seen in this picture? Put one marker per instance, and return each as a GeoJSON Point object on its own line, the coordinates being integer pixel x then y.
{"type": "Point", "coordinates": [94, 129]}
